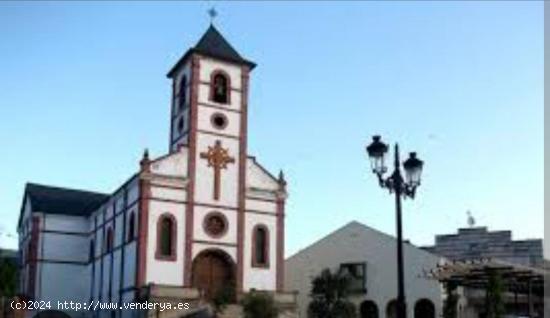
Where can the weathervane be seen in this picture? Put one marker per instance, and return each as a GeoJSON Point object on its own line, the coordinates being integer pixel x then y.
{"type": "Point", "coordinates": [213, 14]}
{"type": "Point", "coordinates": [471, 220]}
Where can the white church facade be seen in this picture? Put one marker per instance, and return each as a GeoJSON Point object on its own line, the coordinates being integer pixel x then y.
{"type": "Point", "coordinates": [206, 215]}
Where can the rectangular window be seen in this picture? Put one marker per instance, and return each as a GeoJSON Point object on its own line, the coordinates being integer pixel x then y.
{"type": "Point", "coordinates": [357, 273]}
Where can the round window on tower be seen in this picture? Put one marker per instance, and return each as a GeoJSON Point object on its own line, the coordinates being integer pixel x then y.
{"type": "Point", "coordinates": [218, 120]}
{"type": "Point", "coordinates": [215, 224]}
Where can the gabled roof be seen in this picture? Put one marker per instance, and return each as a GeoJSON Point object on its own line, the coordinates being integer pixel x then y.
{"type": "Point", "coordinates": [213, 44]}
{"type": "Point", "coordinates": [354, 227]}
{"type": "Point", "coordinates": [55, 200]}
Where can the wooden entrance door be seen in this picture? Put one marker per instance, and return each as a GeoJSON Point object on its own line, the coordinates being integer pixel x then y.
{"type": "Point", "coordinates": [212, 271]}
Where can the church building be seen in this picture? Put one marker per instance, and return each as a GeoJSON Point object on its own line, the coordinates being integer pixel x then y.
{"type": "Point", "coordinates": [205, 216]}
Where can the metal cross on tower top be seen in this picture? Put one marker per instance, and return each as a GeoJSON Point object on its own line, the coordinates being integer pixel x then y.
{"type": "Point", "coordinates": [217, 158]}
{"type": "Point", "coordinates": [213, 14]}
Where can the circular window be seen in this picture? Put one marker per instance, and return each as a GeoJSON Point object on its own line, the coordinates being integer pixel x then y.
{"type": "Point", "coordinates": [218, 120]}
{"type": "Point", "coordinates": [215, 224]}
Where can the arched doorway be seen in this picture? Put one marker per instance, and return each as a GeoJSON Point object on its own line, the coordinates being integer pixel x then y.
{"type": "Point", "coordinates": [213, 272]}
{"type": "Point", "coordinates": [391, 309]}
{"type": "Point", "coordinates": [368, 309]}
{"type": "Point", "coordinates": [424, 308]}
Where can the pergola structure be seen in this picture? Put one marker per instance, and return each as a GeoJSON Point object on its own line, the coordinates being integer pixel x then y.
{"type": "Point", "coordinates": [516, 279]}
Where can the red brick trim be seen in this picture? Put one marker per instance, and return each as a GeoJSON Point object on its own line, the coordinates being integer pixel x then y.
{"type": "Point", "coordinates": [143, 223]}
{"type": "Point", "coordinates": [280, 266]}
{"type": "Point", "coordinates": [266, 247]}
{"type": "Point", "coordinates": [173, 238]}
{"type": "Point", "coordinates": [242, 178]}
{"type": "Point", "coordinates": [205, 224]}
{"type": "Point", "coordinates": [211, 88]}
{"type": "Point", "coordinates": [193, 123]}
{"type": "Point", "coordinates": [33, 257]}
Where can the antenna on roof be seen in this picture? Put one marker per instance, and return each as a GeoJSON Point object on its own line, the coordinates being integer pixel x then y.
{"type": "Point", "coordinates": [213, 14]}
{"type": "Point", "coordinates": [471, 220]}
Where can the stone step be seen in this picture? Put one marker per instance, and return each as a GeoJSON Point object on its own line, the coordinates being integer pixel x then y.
{"type": "Point", "coordinates": [204, 312]}
{"type": "Point", "coordinates": [232, 311]}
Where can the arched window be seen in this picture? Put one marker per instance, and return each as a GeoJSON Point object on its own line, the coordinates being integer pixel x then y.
{"type": "Point", "coordinates": [391, 309]}
{"type": "Point", "coordinates": [166, 237]}
{"type": "Point", "coordinates": [91, 252]}
{"type": "Point", "coordinates": [109, 240]}
{"type": "Point", "coordinates": [182, 92]}
{"type": "Point", "coordinates": [131, 227]}
{"type": "Point", "coordinates": [424, 308]}
{"type": "Point", "coordinates": [220, 87]}
{"type": "Point", "coordinates": [181, 124]}
{"type": "Point", "coordinates": [368, 309]}
{"type": "Point", "coordinates": [260, 246]}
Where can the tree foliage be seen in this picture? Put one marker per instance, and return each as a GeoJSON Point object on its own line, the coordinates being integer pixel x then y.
{"type": "Point", "coordinates": [451, 300]}
{"type": "Point", "coordinates": [259, 305]}
{"type": "Point", "coordinates": [222, 298]}
{"type": "Point", "coordinates": [329, 294]}
{"type": "Point", "coordinates": [495, 302]}
{"type": "Point", "coordinates": [8, 277]}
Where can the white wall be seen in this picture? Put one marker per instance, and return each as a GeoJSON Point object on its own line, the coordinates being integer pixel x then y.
{"type": "Point", "coordinates": [258, 277]}
{"type": "Point", "coordinates": [358, 243]}
{"type": "Point", "coordinates": [116, 214]}
{"type": "Point", "coordinates": [63, 282]}
{"type": "Point", "coordinates": [164, 271]}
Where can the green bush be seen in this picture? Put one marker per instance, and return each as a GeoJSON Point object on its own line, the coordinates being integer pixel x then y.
{"type": "Point", "coordinates": [8, 277]}
{"type": "Point", "coordinates": [451, 301]}
{"type": "Point", "coordinates": [223, 297]}
{"type": "Point", "coordinates": [259, 305]}
{"type": "Point", "coordinates": [329, 294]}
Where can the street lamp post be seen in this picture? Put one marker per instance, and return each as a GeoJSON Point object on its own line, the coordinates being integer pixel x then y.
{"type": "Point", "coordinates": [400, 188]}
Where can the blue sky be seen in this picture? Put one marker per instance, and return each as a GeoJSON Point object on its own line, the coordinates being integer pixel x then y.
{"type": "Point", "coordinates": [83, 92]}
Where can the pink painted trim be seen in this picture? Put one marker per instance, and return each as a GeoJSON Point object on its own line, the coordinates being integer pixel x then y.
{"type": "Point", "coordinates": [280, 276]}
{"type": "Point", "coordinates": [143, 225]}
{"type": "Point", "coordinates": [245, 71]}
{"type": "Point", "coordinates": [193, 113]}
{"type": "Point", "coordinates": [173, 238]}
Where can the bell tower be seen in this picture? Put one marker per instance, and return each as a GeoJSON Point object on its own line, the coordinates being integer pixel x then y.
{"type": "Point", "coordinates": [209, 119]}
{"type": "Point", "coordinates": [219, 85]}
